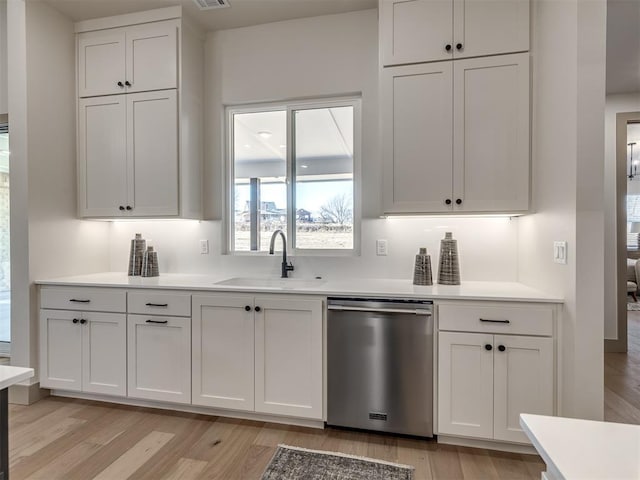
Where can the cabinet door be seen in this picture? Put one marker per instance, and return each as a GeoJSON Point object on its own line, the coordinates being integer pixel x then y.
{"type": "Point", "coordinates": [101, 62]}
{"type": "Point", "coordinates": [417, 138]}
{"type": "Point", "coordinates": [523, 383]}
{"type": "Point", "coordinates": [152, 56]}
{"type": "Point", "coordinates": [60, 350]}
{"type": "Point", "coordinates": [465, 384]}
{"type": "Point", "coordinates": [491, 134]}
{"type": "Point", "coordinates": [288, 364]}
{"type": "Point", "coordinates": [152, 153]}
{"type": "Point", "coordinates": [102, 156]}
{"type": "Point", "coordinates": [159, 358]}
{"type": "Point", "coordinates": [222, 349]}
{"type": "Point", "coordinates": [104, 353]}
{"type": "Point", "coordinates": [489, 27]}
{"type": "Point", "coordinates": [414, 31]}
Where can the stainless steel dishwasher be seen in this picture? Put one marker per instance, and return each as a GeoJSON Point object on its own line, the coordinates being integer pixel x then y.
{"type": "Point", "coordinates": [380, 364]}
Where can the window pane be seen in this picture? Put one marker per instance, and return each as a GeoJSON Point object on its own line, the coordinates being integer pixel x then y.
{"type": "Point", "coordinates": [260, 170]}
{"type": "Point", "coordinates": [323, 166]}
{"type": "Point", "coordinates": [5, 271]}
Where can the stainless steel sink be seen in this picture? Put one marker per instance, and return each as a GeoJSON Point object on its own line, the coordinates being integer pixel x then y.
{"type": "Point", "coordinates": [271, 283]}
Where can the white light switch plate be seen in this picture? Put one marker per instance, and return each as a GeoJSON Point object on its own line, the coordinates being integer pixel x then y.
{"type": "Point", "coordinates": [560, 252]}
{"type": "Point", "coordinates": [381, 248]}
{"type": "Point", "coordinates": [204, 247]}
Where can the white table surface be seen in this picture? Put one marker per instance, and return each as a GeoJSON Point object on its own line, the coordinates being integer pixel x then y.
{"type": "Point", "coordinates": [12, 375]}
{"type": "Point", "coordinates": [497, 291]}
{"type": "Point", "coordinates": [585, 449]}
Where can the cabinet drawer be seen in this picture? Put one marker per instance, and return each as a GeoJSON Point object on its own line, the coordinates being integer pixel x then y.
{"type": "Point", "coordinates": [508, 319]}
{"type": "Point", "coordinates": [85, 299]}
{"type": "Point", "coordinates": [160, 303]}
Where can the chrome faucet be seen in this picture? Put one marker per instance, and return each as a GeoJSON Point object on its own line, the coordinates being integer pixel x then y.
{"type": "Point", "coordinates": [286, 267]}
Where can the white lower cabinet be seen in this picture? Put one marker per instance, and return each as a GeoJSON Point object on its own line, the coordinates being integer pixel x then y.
{"type": "Point", "coordinates": [159, 358]}
{"type": "Point", "coordinates": [83, 351]}
{"type": "Point", "coordinates": [486, 380]}
{"type": "Point", "coordinates": [260, 354]}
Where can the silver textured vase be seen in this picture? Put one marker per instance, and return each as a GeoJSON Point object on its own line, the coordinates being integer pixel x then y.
{"type": "Point", "coordinates": [138, 247]}
{"type": "Point", "coordinates": [448, 268]}
{"type": "Point", "coordinates": [422, 269]}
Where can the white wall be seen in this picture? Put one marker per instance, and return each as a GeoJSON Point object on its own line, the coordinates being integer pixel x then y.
{"type": "Point", "coordinates": [568, 170]}
{"type": "Point", "coordinates": [4, 106]}
{"type": "Point", "coordinates": [312, 57]}
{"type": "Point", "coordinates": [46, 238]}
{"type": "Point", "coordinates": [621, 103]}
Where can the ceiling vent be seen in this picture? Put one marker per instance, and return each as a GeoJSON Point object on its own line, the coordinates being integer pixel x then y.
{"type": "Point", "coordinates": [211, 4]}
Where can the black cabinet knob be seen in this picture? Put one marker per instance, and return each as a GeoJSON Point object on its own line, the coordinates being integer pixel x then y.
{"type": "Point", "coordinates": [447, 47]}
{"type": "Point", "coordinates": [129, 208]}
{"type": "Point", "coordinates": [247, 308]}
{"type": "Point", "coordinates": [121, 208]}
{"type": "Point", "coordinates": [488, 347]}
{"type": "Point", "coordinates": [458, 201]}
{"type": "Point", "coordinates": [127, 83]}
{"type": "Point", "coordinates": [257, 309]}
{"type": "Point", "coordinates": [83, 321]}
{"type": "Point", "coordinates": [75, 320]}
{"type": "Point", "coordinates": [120, 84]}
{"type": "Point", "coordinates": [458, 46]}
{"type": "Point", "coordinates": [502, 348]}
{"type": "Point", "coordinates": [448, 201]}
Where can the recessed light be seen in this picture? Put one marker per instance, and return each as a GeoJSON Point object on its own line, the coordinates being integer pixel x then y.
{"type": "Point", "coordinates": [246, 145]}
{"type": "Point", "coordinates": [265, 134]}
{"type": "Point", "coordinates": [304, 166]}
{"type": "Point", "coordinates": [283, 146]}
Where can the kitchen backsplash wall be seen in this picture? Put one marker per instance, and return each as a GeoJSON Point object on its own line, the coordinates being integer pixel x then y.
{"type": "Point", "coordinates": [487, 249]}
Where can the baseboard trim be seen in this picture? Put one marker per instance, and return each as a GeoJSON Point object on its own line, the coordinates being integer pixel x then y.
{"type": "Point", "coordinates": [260, 417]}
{"type": "Point", "coordinates": [487, 444]}
{"type": "Point", "coordinates": [615, 345]}
{"type": "Point", "coordinates": [27, 394]}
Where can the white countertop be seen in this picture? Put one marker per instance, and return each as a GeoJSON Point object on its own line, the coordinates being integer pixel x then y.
{"type": "Point", "coordinates": [12, 375]}
{"type": "Point", "coordinates": [585, 449]}
{"type": "Point", "coordinates": [499, 291]}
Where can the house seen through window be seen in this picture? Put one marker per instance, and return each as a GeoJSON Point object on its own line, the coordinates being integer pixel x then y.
{"type": "Point", "coordinates": [293, 169]}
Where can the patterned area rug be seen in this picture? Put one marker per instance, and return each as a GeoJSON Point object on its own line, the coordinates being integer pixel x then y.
{"type": "Point", "coordinates": [293, 463]}
{"type": "Point", "coordinates": [631, 306]}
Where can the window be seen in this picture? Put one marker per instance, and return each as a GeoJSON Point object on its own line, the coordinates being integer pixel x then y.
{"type": "Point", "coordinates": [292, 167]}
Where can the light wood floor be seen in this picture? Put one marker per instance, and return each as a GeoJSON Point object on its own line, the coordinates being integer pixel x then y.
{"type": "Point", "coordinates": [58, 438]}
{"type": "Point", "coordinates": [68, 439]}
{"type": "Point", "coordinates": [622, 378]}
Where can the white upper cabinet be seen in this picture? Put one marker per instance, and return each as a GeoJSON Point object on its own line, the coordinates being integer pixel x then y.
{"type": "Point", "coordinates": [128, 155]}
{"type": "Point", "coordinates": [455, 136]}
{"type": "Point", "coordinates": [140, 110]}
{"type": "Point", "coordinates": [415, 31]}
{"type": "Point", "coordinates": [128, 59]}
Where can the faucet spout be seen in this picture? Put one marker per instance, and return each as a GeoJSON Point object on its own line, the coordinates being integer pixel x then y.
{"type": "Point", "coordinates": [286, 267]}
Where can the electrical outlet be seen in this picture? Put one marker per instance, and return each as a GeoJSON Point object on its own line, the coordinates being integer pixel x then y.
{"type": "Point", "coordinates": [381, 248]}
{"type": "Point", "coordinates": [204, 247]}
{"type": "Point", "coordinates": [560, 252]}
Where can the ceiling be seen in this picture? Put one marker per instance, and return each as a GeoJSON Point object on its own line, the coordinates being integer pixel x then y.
{"type": "Point", "coordinates": [623, 46]}
{"type": "Point", "coordinates": [242, 13]}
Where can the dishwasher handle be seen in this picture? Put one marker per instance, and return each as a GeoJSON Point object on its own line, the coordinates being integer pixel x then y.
{"type": "Point", "coordinates": [417, 311]}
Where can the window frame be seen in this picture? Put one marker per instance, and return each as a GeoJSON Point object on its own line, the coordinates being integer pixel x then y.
{"type": "Point", "coordinates": [229, 178]}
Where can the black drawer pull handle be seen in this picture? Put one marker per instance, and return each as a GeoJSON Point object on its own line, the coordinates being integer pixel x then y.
{"type": "Point", "coordinates": [158, 321]}
{"type": "Point", "coordinates": [75, 300]}
{"type": "Point", "coordinates": [75, 320]}
{"type": "Point", "coordinates": [494, 321]}
{"type": "Point", "coordinates": [157, 304]}
{"type": "Point", "coordinates": [488, 347]}
{"type": "Point", "coordinates": [83, 321]}
{"type": "Point", "coordinates": [502, 348]}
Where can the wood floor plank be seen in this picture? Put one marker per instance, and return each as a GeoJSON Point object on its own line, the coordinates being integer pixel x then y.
{"type": "Point", "coordinates": [185, 469]}
{"type": "Point", "coordinates": [134, 458]}
{"type": "Point", "coordinates": [445, 463]}
{"type": "Point", "coordinates": [59, 467]}
{"type": "Point", "coordinates": [476, 463]}
{"type": "Point", "coordinates": [509, 466]}
{"type": "Point", "coordinates": [417, 454]}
